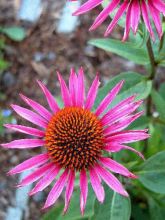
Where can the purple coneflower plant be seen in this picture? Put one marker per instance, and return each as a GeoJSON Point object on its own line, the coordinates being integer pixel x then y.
{"type": "Point", "coordinates": [135, 9]}
{"type": "Point", "coordinates": [74, 139]}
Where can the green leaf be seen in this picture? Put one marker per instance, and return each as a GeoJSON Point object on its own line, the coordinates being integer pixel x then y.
{"type": "Point", "coordinates": [140, 123]}
{"type": "Point", "coordinates": [156, 210]}
{"type": "Point", "coordinates": [115, 207]}
{"type": "Point", "coordinates": [134, 84]}
{"type": "Point", "coordinates": [3, 64]}
{"type": "Point", "coordinates": [154, 140]}
{"type": "Point", "coordinates": [152, 173]}
{"type": "Point", "coordinates": [59, 101]}
{"type": "Point", "coordinates": [162, 90]}
{"type": "Point", "coordinates": [159, 103]}
{"type": "Point", "coordinates": [127, 50]}
{"type": "Point", "coordinates": [74, 208]}
{"type": "Point", "coordinates": [2, 44]}
{"type": "Point", "coordinates": [14, 33]}
{"type": "Point", "coordinates": [73, 212]}
{"type": "Point", "coordinates": [139, 211]}
{"type": "Point", "coordinates": [54, 213]}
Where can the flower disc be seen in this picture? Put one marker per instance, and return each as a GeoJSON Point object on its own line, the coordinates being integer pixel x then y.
{"type": "Point", "coordinates": [74, 138]}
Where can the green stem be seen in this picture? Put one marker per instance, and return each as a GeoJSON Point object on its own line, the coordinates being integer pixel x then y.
{"type": "Point", "coordinates": [153, 65]}
{"type": "Point", "coordinates": [161, 42]}
{"type": "Point", "coordinates": [152, 59]}
{"type": "Point", "coordinates": [152, 75]}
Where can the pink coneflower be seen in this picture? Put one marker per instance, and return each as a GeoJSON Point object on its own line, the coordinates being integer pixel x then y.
{"type": "Point", "coordinates": [134, 9]}
{"type": "Point", "coordinates": [75, 138]}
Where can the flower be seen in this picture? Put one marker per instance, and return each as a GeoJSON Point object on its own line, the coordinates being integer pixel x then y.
{"type": "Point", "coordinates": [75, 138]}
{"type": "Point", "coordinates": [134, 10]}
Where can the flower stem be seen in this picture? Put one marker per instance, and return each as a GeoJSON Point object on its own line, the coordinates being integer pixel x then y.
{"type": "Point", "coordinates": [151, 76]}
{"type": "Point", "coordinates": [153, 65]}
{"type": "Point", "coordinates": [161, 42]}
{"type": "Point", "coordinates": [152, 59]}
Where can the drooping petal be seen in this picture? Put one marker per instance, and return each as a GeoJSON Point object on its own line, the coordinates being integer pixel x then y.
{"type": "Point", "coordinates": [69, 189]}
{"type": "Point", "coordinates": [110, 180]}
{"type": "Point", "coordinates": [46, 180]}
{"type": "Point", "coordinates": [37, 107]}
{"type": "Point", "coordinates": [24, 143]}
{"type": "Point", "coordinates": [135, 15]}
{"type": "Point", "coordinates": [83, 190]}
{"type": "Point", "coordinates": [160, 5]}
{"type": "Point", "coordinates": [49, 97]}
{"type": "Point", "coordinates": [119, 13]}
{"type": "Point", "coordinates": [118, 147]}
{"type": "Point", "coordinates": [35, 175]}
{"type": "Point", "coordinates": [127, 136]}
{"type": "Point", "coordinates": [73, 87]}
{"type": "Point", "coordinates": [26, 130]}
{"type": "Point", "coordinates": [56, 190]}
{"type": "Point", "coordinates": [30, 163]}
{"type": "Point", "coordinates": [128, 22]}
{"type": "Point", "coordinates": [146, 18]}
{"type": "Point", "coordinates": [87, 6]}
{"type": "Point", "coordinates": [120, 106]}
{"type": "Point", "coordinates": [108, 99]}
{"type": "Point", "coordinates": [156, 18]}
{"type": "Point", "coordinates": [113, 116]}
{"type": "Point", "coordinates": [104, 14]}
{"type": "Point", "coordinates": [92, 93]}
{"type": "Point", "coordinates": [64, 91]}
{"type": "Point", "coordinates": [116, 167]}
{"type": "Point", "coordinates": [96, 185]}
{"type": "Point", "coordinates": [80, 88]}
{"type": "Point", "coordinates": [122, 124]}
{"type": "Point", "coordinates": [30, 116]}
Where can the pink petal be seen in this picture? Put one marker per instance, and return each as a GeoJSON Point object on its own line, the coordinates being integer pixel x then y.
{"type": "Point", "coordinates": [69, 189]}
{"type": "Point", "coordinates": [128, 22]}
{"type": "Point", "coordinates": [73, 87]}
{"type": "Point", "coordinates": [26, 130]}
{"type": "Point", "coordinates": [24, 143]}
{"type": "Point", "coordinates": [122, 124]}
{"type": "Point", "coordinates": [114, 116]}
{"type": "Point", "coordinates": [83, 190]}
{"type": "Point", "coordinates": [30, 163]}
{"type": "Point", "coordinates": [96, 185]}
{"type": "Point", "coordinates": [156, 18]}
{"type": "Point", "coordinates": [117, 147]}
{"type": "Point", "coordinates": [92, 93]}
{"type": "Point", "coordinates": [46, 180]}
{"type": "Point", "coordinates": [37, 107]}
{"type": "Point", "coordinates": [160, 5]}
{"type": "Point", "coordinates": [120, 106]}
{"type": "Point", "coordinates": [108, 99]}
{"type": "Point", "coordinates": [64, 91]}
{"type": "Point", "coordinates": [127, 136]}
{"type": "Point", "coordinates": [119, 13]}
{"type": "Point", "coordinates": [56, 190]}
{"type": "Point", "coordinates": [110, 180]}
{"type": "Point", "coordinates": [35, 175]}
{"type": "Point", "coordinates": [49, 97]}
{"type": "Point", "coordinates": [30, 116]}
{"type": "Point", "coordinates": [80, 88]}
{"type": "Point", "coordinates": [87, 6]}
{"type": "Point", "coordinates": [104, 14]}
{"type": "Point", "coordinates": [135, 15]}
{"type": "Point", "coordinates": [146, 18]}
{"type": "Point", "coordinates": [116, 167]}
